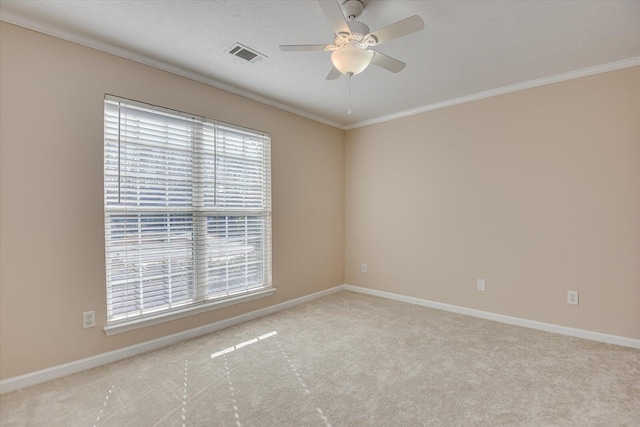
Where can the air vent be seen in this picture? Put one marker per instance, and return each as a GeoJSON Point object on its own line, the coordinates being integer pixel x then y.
{"type": "Point", "coordinates": [246, 53]}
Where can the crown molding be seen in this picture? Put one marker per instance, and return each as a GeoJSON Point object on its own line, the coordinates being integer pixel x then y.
{"type": "Point", "coordinates": [34, 25]}
{"type": "Point", "coordinates": [31, 24]}
{"type": "Point", "coordinates": [612, 66]}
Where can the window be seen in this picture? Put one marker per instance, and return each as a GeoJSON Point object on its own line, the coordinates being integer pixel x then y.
{"type": "Point", "coordinates": [187, 213]}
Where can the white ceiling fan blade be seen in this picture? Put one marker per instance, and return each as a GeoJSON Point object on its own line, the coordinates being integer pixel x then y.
{"type": "Point", "coordinates": [333, 74]}
{"type": "Point", "coordinates": [399, 29]}
{"type": "Point", "coordinates": [387, 62]}
{"type": "Point", "coordinates": [301, 47]}
{"type": "Point", "coordinates": [334, 15]}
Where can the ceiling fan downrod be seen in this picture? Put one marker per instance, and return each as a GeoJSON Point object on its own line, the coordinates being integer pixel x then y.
{"type": "Point", "coordinates": [352, 9]}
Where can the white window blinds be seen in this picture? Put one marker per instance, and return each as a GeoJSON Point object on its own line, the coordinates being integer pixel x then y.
{"type": "Point", "coordinates": [187, 210]}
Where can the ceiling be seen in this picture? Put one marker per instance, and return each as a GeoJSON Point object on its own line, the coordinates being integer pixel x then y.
{"type": "Point", "coordinates": [467, 50]}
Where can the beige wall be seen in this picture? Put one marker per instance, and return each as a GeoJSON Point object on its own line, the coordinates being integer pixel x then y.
{"type": "Point", "coordinates": [51, 214]}
{"type": "Point", "coordinates": [537, 192]}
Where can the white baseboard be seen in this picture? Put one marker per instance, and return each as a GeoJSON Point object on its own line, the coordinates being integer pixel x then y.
{"type": "Point", "coordinates": [548, 327]}
{"type": "Point", "coordinates": [15, 383]}
{"type": "Point", "coordinates": [32, 378]}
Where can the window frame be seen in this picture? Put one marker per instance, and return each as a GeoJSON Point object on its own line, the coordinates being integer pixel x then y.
{"type": "Point", "coordinates": [201, 299]}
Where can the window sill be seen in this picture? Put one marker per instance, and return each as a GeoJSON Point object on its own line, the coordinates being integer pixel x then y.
{"type": "Point", "coordinates": [129, 325]}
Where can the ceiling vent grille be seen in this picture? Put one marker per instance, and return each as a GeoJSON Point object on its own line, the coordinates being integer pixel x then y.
{"type": "Point", "coordinates": [246, 53]}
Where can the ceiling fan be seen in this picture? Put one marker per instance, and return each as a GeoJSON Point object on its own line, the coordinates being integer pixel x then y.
{"type": "Point", "coordinates": [351, 53]}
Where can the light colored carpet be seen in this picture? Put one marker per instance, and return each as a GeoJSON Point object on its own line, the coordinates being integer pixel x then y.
{"type": "Point", "coordinates": [350, 360]}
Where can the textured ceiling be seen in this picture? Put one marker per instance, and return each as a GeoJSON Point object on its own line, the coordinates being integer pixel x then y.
{"type": "Point", "coordinates": [467, 47]}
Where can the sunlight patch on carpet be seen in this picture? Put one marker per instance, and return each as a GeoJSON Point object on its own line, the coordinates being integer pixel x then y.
{"type": "Point", "coordinates": [243, 344]}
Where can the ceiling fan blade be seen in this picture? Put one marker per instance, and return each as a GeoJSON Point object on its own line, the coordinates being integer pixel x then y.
{"type": "Point", "coordinates": [334, 15]}
{"type": "Point", "coordinates": [387, 62]}
{"type": "Point", "coordinates": [333, 74]}
{"type": "Point", "coordinates": [399, 29]}
{"type": "Point", "coordinates": [301, 47]}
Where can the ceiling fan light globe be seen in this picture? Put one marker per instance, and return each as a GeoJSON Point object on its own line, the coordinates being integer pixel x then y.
{"type": "Point", "coordinates": [351, 60]}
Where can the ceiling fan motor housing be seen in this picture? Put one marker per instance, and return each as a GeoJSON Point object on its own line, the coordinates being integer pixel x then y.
{"type": "Point", "coordinates": [358, 27]}
{"type": "Point", "coordinates": [359, 34]}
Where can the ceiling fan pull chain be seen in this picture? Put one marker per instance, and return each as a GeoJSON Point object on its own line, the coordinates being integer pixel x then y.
{"type": "Point", "coordinates": [349, 87]}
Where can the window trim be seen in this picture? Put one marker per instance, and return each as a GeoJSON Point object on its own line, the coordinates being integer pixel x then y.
{"type": "Point", "coordinates": [204, 304]}
{"type": "Point", "coordinates": [126, 325]}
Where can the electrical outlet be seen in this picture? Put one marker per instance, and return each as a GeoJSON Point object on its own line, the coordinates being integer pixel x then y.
{"type": "Point", "coordinates": [572, 297]}
{"type": "Point", "coordinates": [88, 319]}
{"type": "Point", "coordinates": [481, 284]}
{"type": "Point", "coordinates": [364, 268]}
